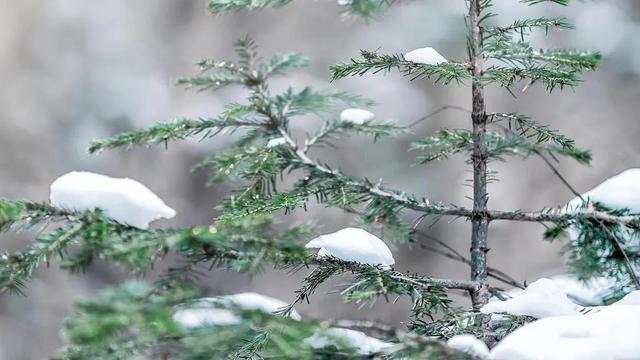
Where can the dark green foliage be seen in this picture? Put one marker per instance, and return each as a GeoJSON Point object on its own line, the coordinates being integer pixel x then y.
{"type": "Point", "coordinates": [372, 62]}
{"type": "Point", "coordinates": [449, 142]}
{"type": "Point", "coordinates": [592, 251]}
{"type": "Point", "coordinates": [162, 133]}
{"type": "Point", "coordinates": [529, 128]}
{"type": "Point", "coordinates": [524, 26]}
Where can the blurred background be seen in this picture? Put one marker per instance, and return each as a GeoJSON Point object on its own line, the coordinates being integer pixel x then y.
{"type": "Point", "coordinates": [73, 70]}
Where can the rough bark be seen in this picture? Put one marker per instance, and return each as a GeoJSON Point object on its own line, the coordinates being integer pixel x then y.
{"type": "Point", "coordinates": [479, 224]}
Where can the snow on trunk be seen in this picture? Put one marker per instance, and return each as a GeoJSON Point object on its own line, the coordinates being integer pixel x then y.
{"type": "Point", "coordinates": [123, 200]}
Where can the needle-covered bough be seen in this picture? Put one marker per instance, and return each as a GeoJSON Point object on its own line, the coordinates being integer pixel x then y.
{"type": "Point", "coordinates": [138, 320]}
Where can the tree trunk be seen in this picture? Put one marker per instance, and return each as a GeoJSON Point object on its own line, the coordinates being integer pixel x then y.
{"type": "Point", "coordinates": [480, 221]}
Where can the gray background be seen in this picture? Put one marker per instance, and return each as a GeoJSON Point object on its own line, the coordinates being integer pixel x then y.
{"type": "Point", "coordinates": [74, 70]}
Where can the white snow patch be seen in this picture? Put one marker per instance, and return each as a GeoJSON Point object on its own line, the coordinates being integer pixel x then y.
{"type": "Point", "coordinates": [611, 334]}
{"type": "Point", "coordinates": [588, 292]}
{"type": "Point", "coordinates": [205, 316]}
{"type": "Point", "coordinates": [619, 192]}
{"type": "Point", "coordinates": [276, 142]}
{"type": "Point", "coordinates": [632, 298]}
{"type": "Point", "coordinates": [468, 344]}
{"type": "Point", "coordinates": [356, 339]}
{"type": "Point", "coordinates": [204, 312]}
{"type": "Point", "coordinates": [255, 301]}
{"type": "Point", "coordinates": [356, 116]}
{"type": "Point", "coordinates": [426, 55]}
{"type": "Point", "coordinates": [123, 200]}
{"type": "Point", "coordinates": [352, 244]}
{"type": "Point", "coordinates": [542, 298]}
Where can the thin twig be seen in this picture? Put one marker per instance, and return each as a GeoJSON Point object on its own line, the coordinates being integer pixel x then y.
{"type": "Point", "coordinates": [557, 173]}
{"type": "Point", "coordinates": [437, 111]}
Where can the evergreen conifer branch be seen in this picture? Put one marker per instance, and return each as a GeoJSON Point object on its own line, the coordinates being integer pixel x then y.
{"type": "Point", "coordinates": [163, 133]}
{"type": "Point", "coordinates": [535, 2]}
{"type": "Point", "coordinates": [523, 26]}
{"type": "Point", "coordinates": [529, 128]}
{"type": "Point", "coordinates": [135, 319]}
{"type": "Point", "coordinates": [374, 63]}
{"type": "Point", "coordinates": [363, 8]}
{"type": "Point", "coordinates": [447, 142]}
{"type": "Point", "coordinates": [332, 130]}
{"type": "Point", "coordinates": [551, 78]}
{"type": "Point", "coordinates": [520, 53]}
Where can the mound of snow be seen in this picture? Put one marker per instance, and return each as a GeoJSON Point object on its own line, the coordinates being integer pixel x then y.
{"type": "Point", "coordinates": [204, 312]}
{"type": "Point", "coordinates": [611, 334]}
{"type": "Point", "coordinates": [426, 55]}
{"type": "Point", "coordinates": [632, 298]}
{"type": "Point", "coordinates": [352, 244]}
{"type": "Point", "coordinates": [468, 344]}
{"type": "Point", "coordinates": [336, 336]}
{"type": "Point", "coordinates": [123, 200]}
{"type": "Point", "coordinates": [619, 192]}
{"type": "Point", "coordinates": [357, 116]}
{"type": "Point", "coordinates": [542, 298]}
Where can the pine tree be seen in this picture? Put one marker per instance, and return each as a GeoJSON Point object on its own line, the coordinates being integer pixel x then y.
{"type": "Point", "coordinates": [136, 319]}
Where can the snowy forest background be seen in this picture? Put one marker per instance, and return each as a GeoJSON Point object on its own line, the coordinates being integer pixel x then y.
{"type": "Point", "coordinates": [73, 71]}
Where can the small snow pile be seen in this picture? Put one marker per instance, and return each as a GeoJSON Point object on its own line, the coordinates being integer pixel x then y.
{"type": "Point", "coordinates": [352, 244]}
{"type": "Point", "coordinates": [619, 192]}
{"type": "Point", "coordinates": [426, 55]}
{"type": "Point", "coordinates": [123, 200]}
{"type": "Point", "coordinates": [542, 298]}
{"type": "Point", "coordinates": [208, 311]}
{"type": "Point", "coordinates": [611, 333]}
{"type": "Point", "coordinates": [357, 116]}
{"type": "Point", "coordinates": [276, 142]}
{"type": "Point", "coordinates": [632, 298]}
{"type": "Point", "coordinates": [255, 301]}
{"type": "Point", "coordinates": [468, 344]}
{"type": "Point", "coordinates": [339, 336]}
{"type": "Point", "coordinates": [588, 292]}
